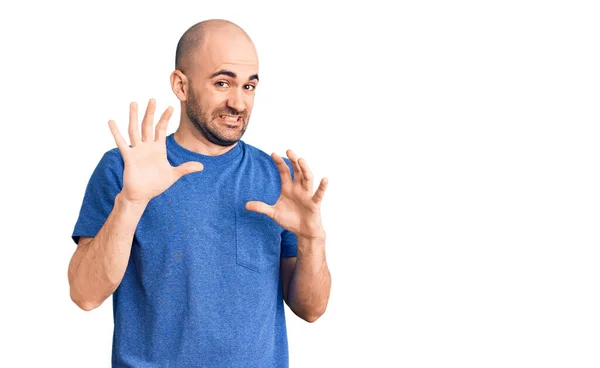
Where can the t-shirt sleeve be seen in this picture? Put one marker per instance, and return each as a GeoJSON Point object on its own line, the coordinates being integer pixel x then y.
{"type": "Point", "coordinates": [288, 238]}
{"type": "Point", "coordinates": [98, 201]}
{"type": "Point", "coordinates": [288, 244]}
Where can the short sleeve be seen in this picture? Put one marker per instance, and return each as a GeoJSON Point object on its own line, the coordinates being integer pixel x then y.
{"type": "Point", "coordinates": [288, 238]}
{"type": "Point", "coordinates": [98, 201]}
{"type": "Point", "coordinates": [288, 244]}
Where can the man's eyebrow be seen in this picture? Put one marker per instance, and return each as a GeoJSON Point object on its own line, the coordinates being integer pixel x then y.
{"type": "Point", "coordinates": [231, 74]}
{"type": "Point", "coordinates": [224, 72]}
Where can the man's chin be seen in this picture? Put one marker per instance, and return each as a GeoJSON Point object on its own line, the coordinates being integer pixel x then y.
{"type": "Point", "coordinates": [226, 140]}
{"type": "Point", "coordinates": [232, 135]}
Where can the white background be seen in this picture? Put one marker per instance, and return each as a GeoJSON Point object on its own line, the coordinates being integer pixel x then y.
{"type": "Point", "coordinates": [460, 140]}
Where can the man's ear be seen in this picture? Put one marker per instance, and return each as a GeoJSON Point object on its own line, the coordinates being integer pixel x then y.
{"type": "Point", "coordinates": [179, 85]}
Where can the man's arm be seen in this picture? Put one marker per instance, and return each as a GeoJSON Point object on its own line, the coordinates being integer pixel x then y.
{"type": "Point", "coordinates": [306, 279]}
{"type": "Point", "coordinates": [99, 263]}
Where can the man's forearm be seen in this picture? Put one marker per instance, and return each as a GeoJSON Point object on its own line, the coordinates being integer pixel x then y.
{"type": "Point", "coordinates": [311, 283]}
{"type": "Point", "coordinates": [97, 268]}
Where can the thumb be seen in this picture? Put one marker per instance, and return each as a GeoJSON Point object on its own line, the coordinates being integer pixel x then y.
{"type": "Point", "coordinates": [260, 207]}
{"type": "Point", "coordinates": [188, 168]}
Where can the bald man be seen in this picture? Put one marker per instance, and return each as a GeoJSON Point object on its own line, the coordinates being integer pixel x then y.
{"type": "Point", "coordinates": [199, 236]}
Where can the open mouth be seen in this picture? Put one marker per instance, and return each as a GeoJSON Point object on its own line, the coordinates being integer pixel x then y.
{"type": "Point", "coordinates": [229, 119]}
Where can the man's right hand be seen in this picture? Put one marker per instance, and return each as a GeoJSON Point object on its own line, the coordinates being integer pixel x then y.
{"type": "Point", "coordinates": [148, 173]}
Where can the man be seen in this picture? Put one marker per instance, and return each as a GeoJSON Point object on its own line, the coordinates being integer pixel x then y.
{"type": "Point", "coordinates": [200, 236]}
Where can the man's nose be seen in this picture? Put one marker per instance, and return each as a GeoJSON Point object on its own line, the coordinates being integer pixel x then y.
{"type": "Point", "coordinates": [236, 100]}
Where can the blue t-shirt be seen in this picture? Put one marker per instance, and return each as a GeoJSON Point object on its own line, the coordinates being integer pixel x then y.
{"type": "Point", "coordinates": [202, 286]}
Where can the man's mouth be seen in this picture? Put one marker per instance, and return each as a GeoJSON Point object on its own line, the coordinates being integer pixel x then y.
{"type": "Point", "coordinates": [231, 119]}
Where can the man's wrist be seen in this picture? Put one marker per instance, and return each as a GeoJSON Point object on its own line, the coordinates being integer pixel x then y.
{"type": "Point", "coordinates": [313, 245]}
{"type": "Point", "coordinates": [130, 205]}
{"type": "Point", "coordinates": [319, 235]}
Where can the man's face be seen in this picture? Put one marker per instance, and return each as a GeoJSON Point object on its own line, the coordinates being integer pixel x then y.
{"type": "Point", "coordinates": [221, 89]}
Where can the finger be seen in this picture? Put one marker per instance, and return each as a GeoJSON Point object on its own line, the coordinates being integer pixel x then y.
{"type": "Point", "coordinates": [161, 128]}
{"type": "Point", "coordinates": [134, 132]}
{"type": "Point", "coordinates": [260, 207]}
{"type": "Point", "coordinates": [148, 121]}
{"type": "Point", "coordinates": [188, 168]}
{"type": "Point", "coordinates": [294, 160]}
{"type": "Point", "coordinates": [307, 176]}
{"type": "Point", "coordinates": [123, 147]}
{"type": "Point", "coordinates": [318, 197]}
{"type": "Point", "coordinates": [284, 170]}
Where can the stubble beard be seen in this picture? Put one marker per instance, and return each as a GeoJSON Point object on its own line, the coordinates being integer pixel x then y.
{"type": "Point", "coordinates": [202, 122]}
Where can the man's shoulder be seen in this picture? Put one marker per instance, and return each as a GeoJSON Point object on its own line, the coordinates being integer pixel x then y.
{"type": "Point", "coordinates": [114, 153]}
{"type": "Point", "coordinates": [112, 158]}
{"type": "Point", "coordinates": [257, 153]}
{"type": "Point", "coordinates": [254, 151]}
{"type": "Point", "coordinates": [111, 164]}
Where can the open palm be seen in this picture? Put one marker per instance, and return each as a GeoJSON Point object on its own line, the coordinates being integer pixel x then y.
{"type": "Point", "coordinates": [297, 209]}
{"type": "Point", "coordinates": [147, 171]}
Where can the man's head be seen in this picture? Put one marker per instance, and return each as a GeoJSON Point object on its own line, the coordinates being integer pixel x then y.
{"type": "Point", "coordinates": [216, 74]}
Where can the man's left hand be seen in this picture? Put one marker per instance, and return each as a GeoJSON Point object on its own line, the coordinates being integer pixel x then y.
{"type": "Point", "coordinates": [297, 209]}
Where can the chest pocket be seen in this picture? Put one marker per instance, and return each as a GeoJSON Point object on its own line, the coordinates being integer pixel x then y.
{"type": "Point", "coordinates": [258, 241]}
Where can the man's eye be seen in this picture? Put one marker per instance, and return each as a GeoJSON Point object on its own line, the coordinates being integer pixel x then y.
{"type": "Point", "coordinates": [250, 87]}
{"type": "Point", "coordinates": [221, 84]}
